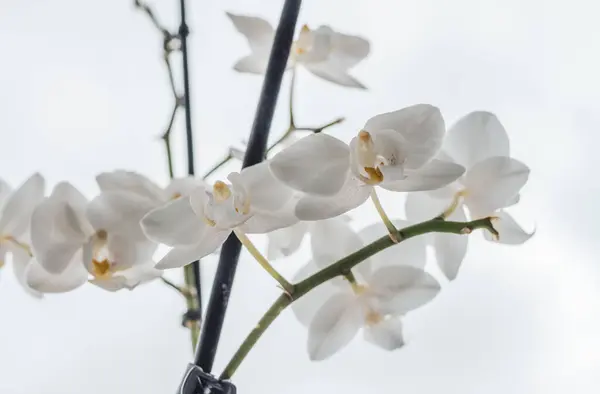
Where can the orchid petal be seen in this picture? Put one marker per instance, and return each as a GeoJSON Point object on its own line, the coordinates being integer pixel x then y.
{"type": "Point", "coordinates": [511, 233]}
{"type": "Point", "coordinates": [386, 334]}
{"type": "Point", "coordinates": [184, 255]}
{"type": "Point", "coordinates": [307, 306]}
{"type": "Point", "coordinates": [173, 224]}
{"type": "Point", "coordinates": [334, 325]}
{"type": "Point", "coordinates": [285, 241]}
{"type": "Point", "coordinates": [17, 210]}
{"type": "Point", "coordinates": [317, 164]}
{"type": "Point", "coordinates": [451, 249]}
{"type": "Point", "coordinates": [129, 181]}
{"type": "Point", "coordinates": [74, 276]}
{"type": "Point", "coordinates": [431, 176]}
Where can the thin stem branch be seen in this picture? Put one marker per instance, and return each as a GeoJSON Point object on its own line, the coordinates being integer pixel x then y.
{"type": "Point", "coordinates": [342, 267]}
{"type": "Point", "coordinates": [384, 217]}
{"type": "Point", "coordinates": [287, 286]}
{"type": "Point", "coordinates": [456, 199]}
{"type": "Point", "coordinates": [175, 287]}
{"type": "Point", "coordinates": [217, 166]}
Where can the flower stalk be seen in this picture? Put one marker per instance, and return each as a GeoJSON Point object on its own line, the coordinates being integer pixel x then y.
{"type": "Point", "coordinates": [251, 248]}
{"type": "Point", "coordinates": [384, 217]}
{"type": "Point", "coordinates": [342, 267]}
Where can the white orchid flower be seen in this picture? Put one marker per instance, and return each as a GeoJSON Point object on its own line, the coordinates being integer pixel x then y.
{"type": "Point", "coordinates": [386, 287]}
{"type": "Point", "coordinates": [492, 182]}
{"type": "Point", "coordinates": [15, 216]}
{"type": "Point", "coordinates": [323, 52]}
{"type": "Point", "coordinates": [103, 237]}
{"type": "Point", "coordinates": [253, 202]}
{"type": "Point", "coordinates": [394, 151]}
{"type": "Point", "coordinates": [285, 241]}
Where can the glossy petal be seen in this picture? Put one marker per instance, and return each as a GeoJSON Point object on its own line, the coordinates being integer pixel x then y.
{"type": "Point", "coordinates": [411, 252]}
{"type": "Point", "coordinates": [421, 127]}
{"type": "Point", "coordinates": [129, 181]}
{"type": "Point", "coordinates": [511, 233]}
{"type": "Point", "coordinates": [184, 255]}
{"type": "Point", "coordinates": [431, 176]}
{"type": "Point", "coordinates": [335, 74]}
{"type": "Point", "coordinates": [386, 334]}
{"type": "Point", "coordinates": [353, 194]}
{"type": "Point", "coordinates": [20, 260]}
{"type": "Point", "coordinates": [401, 289]}
{"type": "Point", "coordinates": [347, 51]}
{"type": "Point", "coordinates": [17, 210]}
{"type": "Point", "coordinates": [451, 249]}
{"type": "Point", "coordinates": [285, 241]}
{"type": "Point", "coordinates": [420, 206]}
{"type": "Point", "coordinates": [475, 137]}
{"type": "Point", "coordinates": [266, 192]}
{"type": "Point", "coordinates": [112, 284]}
{"type": "Point", "coordinates": [317, 164]}
{"type": "Point", "coordinates": [306, 307]}
{"type": "Point", "coordinates": [252, 64]}
{"type": "Point", "coordinates": [182, 187]}
{"type": "Point", "coordinates": [59, 228]}
{"type": "Point", "coordinates": [334, 325]}
{"type": "Point", "coordinates": [120, 213]}
{"type": "Point", "coordinates": [265, 222]}
{"type": "Point", "coordinates": [334, 239]}
{"type": "Point", "coordinates": [258, 31]}
{"type": "Point", "coordinates": [173, 224]}
{"type": "Point", "coordinates": [493, 183]}
{"type": "Point", "coordinates": [74, 276]}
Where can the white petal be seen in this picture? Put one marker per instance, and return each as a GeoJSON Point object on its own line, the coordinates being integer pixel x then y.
{"type": "Point", "coordinates": [347, 51]}
{"type": "Point", "coordinates": [258, 31]}
{"type": "Point", "coordinates": [5, 190]}
{"type": "Point", "coordinates": [315, 45]}
{"type": "Point", "coordinates": [182, 187]}
{"type": "Point", "coordinates": [334, 325]}
{"type": "Point", "coordinates": [306, 307]}
{"type": "Point", "coordinates": [451, 249]}
{"type": "Point", "coordinates": [198, 198]}
{"type": "Point", "coordinates": [333, 239]}
{"type": "Point", "coordinates": [475, 137]}
{"type": "Point", "coordinates": [353, 194]}
{"type": "Point", "coordinates": [266, 192]}
{"type": "Point", "coordinates": [411, 252]}
{"type": "Point", "coordinates": [16, 212]}
{"type": "Point", "coordinates": [265, 222]}
{"type": "Point", "coordinates": [422, 128]}
{"type": "Point", "coordinates": [125, 254]}
{"type": "Point", "coordinates": [317, 164]}
{"type": "Point", "coordinates": [493, 183]}
{"type": "Point", "coordinates": [173, 224]}
{"type": "Point", "coordinates": [112, 284]}
{"type": "Point", "coordinates": [253, 64]}
{"type": "Point", "coordinates": [129, 181]}
{"type": "Point", "coordinates": [433, 175]}
{"type": "Point", "coordinates": [120, 213]}
{"type": "Point", "coordinates": [401, 289]}
{"type": "Point", "coordinates": [421, 206]}
{"type": "Point", "coordinates": [59, 227]}
{"type": "Point", "coordinates": [386, 334]}
{"type": "Point", "coordinates": [511, 233]}
{"type": "Point", "coordinates": [333, 72]}
{"type": "Point", "coordinates": [285, 241]}
{"type": "Point", "coordinates": [140, 274]}
{"type": "Point", "coordinates": [20, 261]}
{"type": "Point", "coordinates": [74, 276]}
{"type": "Point", "coordinates": [184, 255]}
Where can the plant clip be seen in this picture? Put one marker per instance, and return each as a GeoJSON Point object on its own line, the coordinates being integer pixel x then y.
{"type": "Point", "coordinates": [196, 381]}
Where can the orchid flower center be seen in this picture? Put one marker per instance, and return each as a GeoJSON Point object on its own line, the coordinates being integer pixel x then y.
{"type": "Point", "coordinates": [304, 41]}
{"type": "Point", "coordinates": [368, 160]}
{"type": "Point", "coordinates": [228, 205]}
{"type": "Point", "coordinates": [372, 317]}
{"type": "Point", "coordinates": [102, 267]}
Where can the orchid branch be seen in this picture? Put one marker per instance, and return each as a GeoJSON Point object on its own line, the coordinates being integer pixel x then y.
{"type": "Point", "coordinates": [173, 42]}
{"type": "Point", "coordinates": [287, 134]}
{"type": "Point", "coordinates": [342, 268]}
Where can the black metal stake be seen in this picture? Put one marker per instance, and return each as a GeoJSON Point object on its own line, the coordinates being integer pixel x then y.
{"type": "Point", "coordinates": [255, 152]}
{"type": "Point", "coordinates": [183, 35]}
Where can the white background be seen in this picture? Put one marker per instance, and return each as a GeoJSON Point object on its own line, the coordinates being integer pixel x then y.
{"type": "Point", "coordinates": [83, 90]}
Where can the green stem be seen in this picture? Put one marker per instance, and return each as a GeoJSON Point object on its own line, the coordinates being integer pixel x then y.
{"type": "Point", "coordinates": [287, 286]}
{"type": "Point", "coordinates": [384, 217]}
{"type": "Point", "coordinates": [342, 267]}
{"type": "Point", "coordinates": [192, 302]}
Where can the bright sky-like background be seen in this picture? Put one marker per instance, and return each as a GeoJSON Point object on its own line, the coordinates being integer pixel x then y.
{"type": "Point", "coordinates": [83, 90]}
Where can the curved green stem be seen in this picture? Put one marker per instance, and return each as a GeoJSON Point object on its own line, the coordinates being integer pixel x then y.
{"type": "Point", "coordinates": [342, 267]}
{"type": "Point", "coordinates": [384, 217]}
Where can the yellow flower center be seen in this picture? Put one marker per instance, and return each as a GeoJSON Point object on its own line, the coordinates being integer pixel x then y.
{"type": "Point", "coordinates": [101, 269]}
{"type": "Point", "coordinates": [372, 317]}
{"type": "Point", "coordinates": [367, 158]}
{"type": "Point", "coordinates": [221, 191]}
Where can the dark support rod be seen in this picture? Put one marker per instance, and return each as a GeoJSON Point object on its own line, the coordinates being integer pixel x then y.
{"type": "Point", "coordinates": [183, 35]}
{"type": "Point", "coordinates": [257, 145]}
